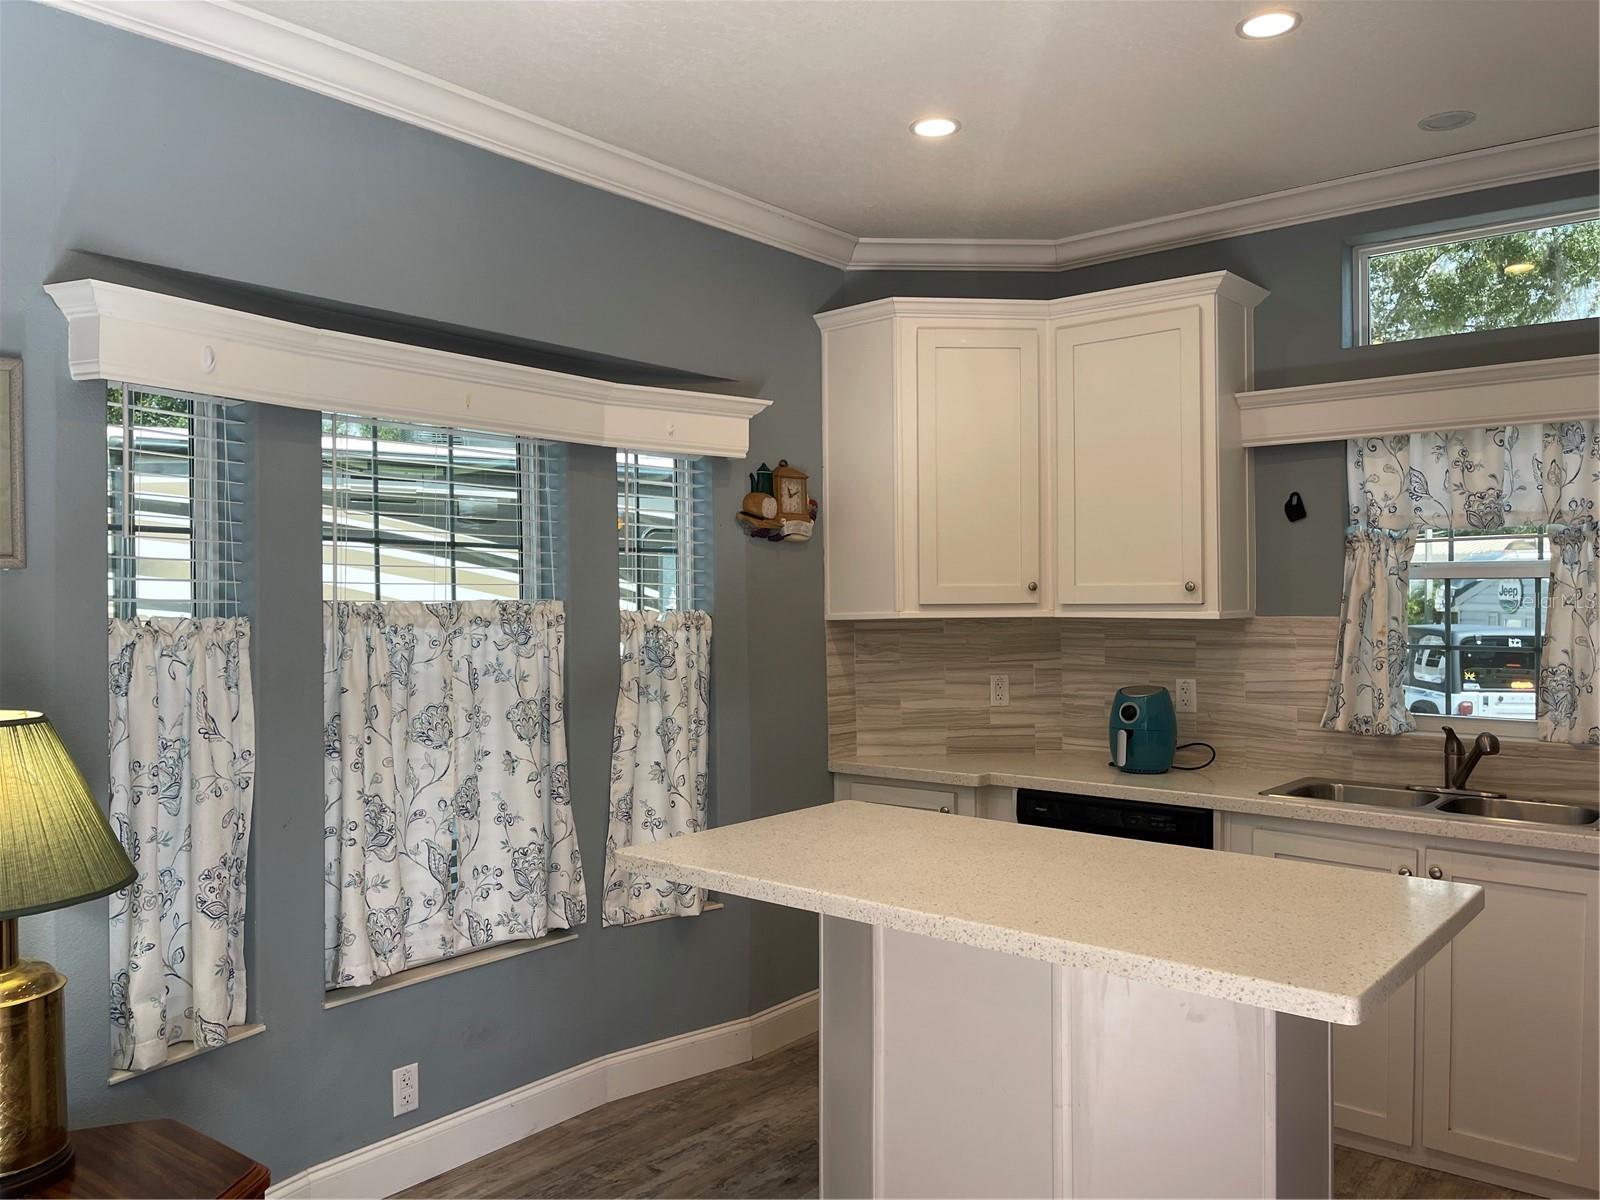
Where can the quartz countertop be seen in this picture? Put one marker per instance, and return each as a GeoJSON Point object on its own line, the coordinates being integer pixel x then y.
{"type": "Point", "coordinates": [1316, 941]}
{"type": "Point", "coordinates": [1225, 787]}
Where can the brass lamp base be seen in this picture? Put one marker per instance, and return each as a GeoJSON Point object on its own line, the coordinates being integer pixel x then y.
{"type": "Point", "coordinates": [33, 1070]}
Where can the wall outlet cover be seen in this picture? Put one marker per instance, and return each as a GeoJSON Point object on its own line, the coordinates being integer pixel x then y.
{"type": "Point", "coordinates": [999, 691]}
{"type": "Point", "coordinates": [1187, 696]}
{"type": "Point", "coordinates": [406, 1091]}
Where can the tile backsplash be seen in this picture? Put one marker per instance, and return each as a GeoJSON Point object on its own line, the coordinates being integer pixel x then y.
{"type": "Point", "coordinates": [921, 685]}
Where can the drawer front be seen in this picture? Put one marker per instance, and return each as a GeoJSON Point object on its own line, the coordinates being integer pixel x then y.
{"type": "Point", "coordinates": [874, 792]}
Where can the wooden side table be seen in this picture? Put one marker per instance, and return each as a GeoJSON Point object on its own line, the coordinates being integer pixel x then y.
{"type": "Point", "coordinates": [145, 1160]}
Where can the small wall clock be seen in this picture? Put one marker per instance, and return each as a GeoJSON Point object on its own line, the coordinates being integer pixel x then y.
{"type": "Point", "coordinates": [789, 485]}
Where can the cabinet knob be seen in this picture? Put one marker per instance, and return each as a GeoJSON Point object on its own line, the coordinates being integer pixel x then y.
{"type": "Point", "coordinates": [1033, 587]}
{"type": "Point", "coordinates": [1188, 585]}
{"type": "Point", "coordinates": [1404, 871]}
{"type": "Point", "coordinates": [944, 808]}
{"type": "Point", "coordinates": [1435, 872]}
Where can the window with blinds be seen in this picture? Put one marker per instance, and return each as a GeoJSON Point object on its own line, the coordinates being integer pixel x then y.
{"type": "Point", "coordinates": [176, 493]}
{"type": "Point", "coordinates": [430, 514]}
{"type": "Point", "coordinates": [663, 532]}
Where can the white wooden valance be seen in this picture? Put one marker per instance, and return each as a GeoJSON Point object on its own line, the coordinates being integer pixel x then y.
{"type": "Point", "coordinates": [1520, 393]}
{"type": "Point", "coordinates": [131, 335]}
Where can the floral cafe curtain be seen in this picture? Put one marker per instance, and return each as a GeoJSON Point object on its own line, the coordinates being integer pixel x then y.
{"type": "Point", "coordinates": [182, 751]}
{"type": "Point", "coordinates": [449, 820]}
{"type": "Point", "coordinates": [659, 753]}
{"type": "Point", "coordinates": [1467, 481]}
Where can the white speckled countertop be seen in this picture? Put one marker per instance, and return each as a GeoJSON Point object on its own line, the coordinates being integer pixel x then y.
{"type": "Point", "coordinates": [1228, 788]}
{"type": "Point", "coordinates": [1317, 941]}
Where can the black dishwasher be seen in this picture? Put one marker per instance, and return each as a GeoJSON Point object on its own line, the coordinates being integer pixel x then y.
{"type": "Point", "coordinates": [1136, 819]}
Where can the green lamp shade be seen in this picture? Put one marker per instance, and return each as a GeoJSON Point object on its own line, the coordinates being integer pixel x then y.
{"type": "Point", "coordinates": [55, 845]}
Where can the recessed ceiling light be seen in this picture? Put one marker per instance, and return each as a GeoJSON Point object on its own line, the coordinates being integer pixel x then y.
{"type": "Point", "coordinates": [1443, 122]}
{"type": "Point", "coordinates": [1268, 24]}
{"type": "Point", "coordinates": [935, 127]}
{"type": "Point", "coordinates": [1520, 268]}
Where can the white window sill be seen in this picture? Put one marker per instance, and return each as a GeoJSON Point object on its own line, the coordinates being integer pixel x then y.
{"type": "Point", "coordinates": [708, 906]}
{"type": "Point", "coordinates": [447, 966]}
{"type": "Point", "coordinates": [188, 1050]}
{"type": "Point", "coordinates": [1470, 727]}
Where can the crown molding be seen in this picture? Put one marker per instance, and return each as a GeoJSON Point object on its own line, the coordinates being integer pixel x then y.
{"type": "Point", "coordinates": [1516, 393]}
{"type": "Point", "coordinates": [1496, 166]}
{"type": "Point", "coordinates": [269, 46]}
{"type": "Point", "coordinates": [955, 254]}
{"type": "Point", "coordinates": [1222, 284]}
{"type": "Point", "coordinates": [273, 47]}
{"type": "Point", "coordinates": [130, 335]}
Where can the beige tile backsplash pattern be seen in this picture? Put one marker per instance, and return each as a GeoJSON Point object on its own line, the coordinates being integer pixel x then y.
{"type": "Point", "coordinates": [895, 686]}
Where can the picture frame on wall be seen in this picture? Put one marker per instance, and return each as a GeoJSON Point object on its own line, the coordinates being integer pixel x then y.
{"type": "Point", "coordinates": [13, 544]}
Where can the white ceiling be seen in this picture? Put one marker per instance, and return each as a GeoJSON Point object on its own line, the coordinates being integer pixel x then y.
{"type": "Point", "coordinates": [1077, 116]}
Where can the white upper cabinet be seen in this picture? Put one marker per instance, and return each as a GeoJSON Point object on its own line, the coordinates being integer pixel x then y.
{"type": "Point", "coordinates": [977, 469]}
{"type": "Point", "coordinates": [1129, 458]}
{"type": "Point", "coordinates": [1039, 457]}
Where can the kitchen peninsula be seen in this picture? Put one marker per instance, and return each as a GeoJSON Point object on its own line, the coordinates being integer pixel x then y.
{"type": "Point", "coordinates": [1022, 1011]}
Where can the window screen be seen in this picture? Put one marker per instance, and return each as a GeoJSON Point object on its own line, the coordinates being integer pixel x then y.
{"type": "Point", "coordinates": [175, 503]}
{"type": "Point", "coordinates": [663, 532]}
{"type": "Point", "coordinates": [430, 514]}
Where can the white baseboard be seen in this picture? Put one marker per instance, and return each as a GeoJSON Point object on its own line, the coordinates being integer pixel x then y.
{"type": "Point", "coordinates": [409, 1158]}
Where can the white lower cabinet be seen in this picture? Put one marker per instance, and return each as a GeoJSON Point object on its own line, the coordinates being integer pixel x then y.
{"type": "Point", "coordinates": [1492, 1055]}
{"type": "Point", "coordinates": [1509, 1019]}
{"type": "Point", "coordinates": [905, 795]}
{"type": "Point", "coordinates": [1374, 1073]}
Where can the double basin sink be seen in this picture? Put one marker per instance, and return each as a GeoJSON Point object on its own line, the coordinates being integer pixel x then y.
{"type": "Point", "coordinates": [1437, 800]}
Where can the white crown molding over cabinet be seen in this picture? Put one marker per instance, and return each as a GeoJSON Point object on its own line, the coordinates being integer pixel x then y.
{"type": "Point", "coordinates": [1518, 393]}
{"type": "Point", "coordinates": [993, 457]}
{"type": "Point", "coordinates": [130, 335]}
{"type": "Point", "coordinates": [269, 46]}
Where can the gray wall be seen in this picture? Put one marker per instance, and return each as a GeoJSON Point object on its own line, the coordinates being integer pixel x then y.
{"type": "Point", "coordinates": [1300, 339]}
{"type": "Point", "coordinates": [119, 145]}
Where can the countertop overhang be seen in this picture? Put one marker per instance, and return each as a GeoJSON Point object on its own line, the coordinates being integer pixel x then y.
{"type": "Point", "coordinates": [1227, 788]}
{"type": "Point", "coordinates": [1315, 941]}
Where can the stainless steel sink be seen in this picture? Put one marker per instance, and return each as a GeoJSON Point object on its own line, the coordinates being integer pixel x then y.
{"type": "Point", "coordinates": [1522, 811]}
{"type": "Point", "coordinates": [1471, 805]}
{"type": "Point", "coordinates": [1344, 791]}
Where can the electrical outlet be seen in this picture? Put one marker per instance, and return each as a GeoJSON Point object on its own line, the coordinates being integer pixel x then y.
{"type": "Point", "coordinates": [406, 1091]}
{"type": "Point", "coordinates": [1187, 696]}
{"type": "Point", "coordinates": [999, 691]}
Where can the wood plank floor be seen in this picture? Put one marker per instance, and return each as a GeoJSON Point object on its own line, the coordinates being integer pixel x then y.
{"type": "Point", "coordinates": [751, 1131]}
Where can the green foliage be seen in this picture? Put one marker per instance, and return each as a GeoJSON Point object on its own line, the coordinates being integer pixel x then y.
{"type": "Point", "coordinates": [1457, 287]}
{"type": "Point", "coordinates": [154, 411]}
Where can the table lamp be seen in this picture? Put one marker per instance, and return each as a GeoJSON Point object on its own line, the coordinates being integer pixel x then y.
{"type": "Point", "coordinates": [56, 848]}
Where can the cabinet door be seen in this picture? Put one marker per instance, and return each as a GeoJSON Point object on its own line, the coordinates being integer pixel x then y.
{"type": "Point", "coordinates": [1509, 1021]}
{"type": "Point", "coordinates": [977, 466]}
{"type": "Point", "coordinates": [1129, 461]}
{"type": "Point", "coordinates": [1374, 1065]}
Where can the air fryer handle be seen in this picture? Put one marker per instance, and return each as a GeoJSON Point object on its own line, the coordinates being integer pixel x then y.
{"type": "Point", "coordinates": [1120, 749]}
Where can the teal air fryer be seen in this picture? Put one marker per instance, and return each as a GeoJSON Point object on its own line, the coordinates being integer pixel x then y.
{"type": "Point", "coordinates": [1144, 730]}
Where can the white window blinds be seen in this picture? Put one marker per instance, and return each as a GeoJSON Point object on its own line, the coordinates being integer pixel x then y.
{"type": "Point", "coordinates": [430, 514]}
{"type": "Point", "coordinates": [175, 477]}
{"type": "Point", "coordinates": [663, 532]}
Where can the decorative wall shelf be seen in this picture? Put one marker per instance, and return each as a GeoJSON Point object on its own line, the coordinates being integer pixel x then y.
{"type": "Point", "coordinates": [1520, 393]}
{"type": "Point", "coordinates": [131, 335]}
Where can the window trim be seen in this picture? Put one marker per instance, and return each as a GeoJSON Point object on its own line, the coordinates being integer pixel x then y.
{"type": "Point", "coordinates": [1362, 254]}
